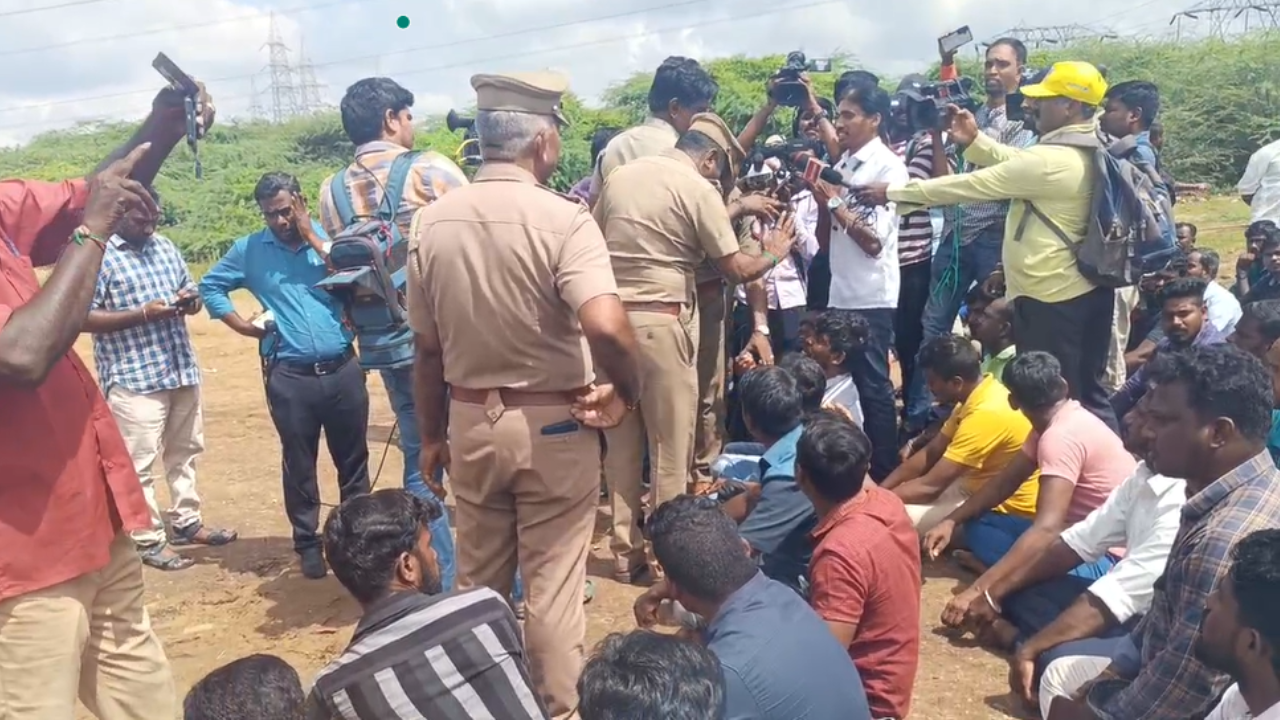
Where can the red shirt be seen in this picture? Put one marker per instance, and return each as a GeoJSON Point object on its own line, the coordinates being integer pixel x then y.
{"type": "Point", "coordinates": [865, 572]}
{"type": "Point", "coordinates": [67, 484]}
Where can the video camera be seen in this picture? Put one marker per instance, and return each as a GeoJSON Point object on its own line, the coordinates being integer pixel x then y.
{"type": "Point", "coordinates": [788, 90]}
{"type": "Point", "coordinates": [923, 106]}
{"type": "Point", "coordinates": [756, 175]}
{"type": "Point", "coordinates": [468, 153]}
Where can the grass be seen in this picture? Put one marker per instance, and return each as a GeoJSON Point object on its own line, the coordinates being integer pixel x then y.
{"type": "Point", "coordinates": [1221, 221]}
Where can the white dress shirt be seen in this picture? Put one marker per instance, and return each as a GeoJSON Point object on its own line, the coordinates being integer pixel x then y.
{"type": "Point", "coordinates": [1222, 307]}
{"type": "Point", "coordinates": [1233, 707]}
{"type": "Point", "coordinates": [842, 391]}
{"type": "Point", "coordinates": [858, 280]}
{"type": "Point", "coordinates": [786, 285]}
{"type": "Point", "coordinates": [1262, 181]}
{"type": "Point", "coordinates": [1142, 515]}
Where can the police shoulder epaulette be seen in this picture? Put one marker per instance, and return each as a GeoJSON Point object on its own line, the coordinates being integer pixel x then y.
{"type": "Point", "coordinates": [571, 198]}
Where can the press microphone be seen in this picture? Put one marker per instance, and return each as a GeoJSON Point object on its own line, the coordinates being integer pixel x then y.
{"type": "Point", "coordinates": [833, 176]}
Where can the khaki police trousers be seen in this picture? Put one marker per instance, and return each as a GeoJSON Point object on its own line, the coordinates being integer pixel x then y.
{"type": "Point", "coordinates": [713, 324]}
{"type": "Point", "coordinates": [1117, 373]}
{"type": "Point", "coordinates": [663, 422]}
{"type": "Point", "coordinates": [527, 498]}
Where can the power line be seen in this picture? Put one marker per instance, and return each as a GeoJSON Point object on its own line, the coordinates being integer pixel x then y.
{"type": "Point", "coordinates": [1228, 17]}
{"type": "Point", "coordinates": [365, 58]}
{"type": "Point", "coordinates": [511, 56]}
{"type": "Point", "coordinates": [45, 8]}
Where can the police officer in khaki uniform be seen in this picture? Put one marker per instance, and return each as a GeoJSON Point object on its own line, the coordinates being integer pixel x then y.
{"type": "Point", "coordinates": [662, 215]}
{"type": "Point", "coordinates": [513, 300]}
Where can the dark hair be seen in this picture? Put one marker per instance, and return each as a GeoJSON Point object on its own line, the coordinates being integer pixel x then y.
{"type": "Point", "coordinates": [1183, 288]}
{"type": "Point", "coordinates": [951, 356]}
{"type": "Point", "coordinates": [1270, 238]}
{"type": "Point", "coordinates": [683, 80]}
{"type": "Point", "coordinates": [1190, 226]}
{"type": "Point", "coordinates": [1222, 381]}
{"type": "Point", "coordinates": [600, 140]}
{"type": "Point", "coordinates": [835, 455]}
{"type": "Point", "coordinates": [870, 99]}
{"type": "Point", "coordinates": [1267, 314]}
{"type": "Point", "coordinates": [274, 183]}
{"type": "Point", "coordinates": [1266, 228]}
{"type": "Point", "coordinates": [1157, 129]}
{"type": "Point", "coordinates": [810, 379]}
{"type": "Point", "coordinates": [648, 675]}
{"type": "Point", "coordinates": [258, 687]}
{"type": "Point", "coordinates": [1255, 578]}
{"type": "Point", "coordinates": [1017, 46]}
{"type": "Point", "coordinates": [365, 536]}
{"type": "Point", "coordinates": [980, 295]}
{"type": "Point", "coordinates": [1138, 95]}
{"type": "Point", "coordinates": [366, 104]}
{"type": "Point", "coordinates": [771, 400]}
{"type": "Point", "coordinates": [698, 143]}
{"type": "Point", "coordinates": [827, 106]}
{"type": "Point", "coordinates": [851, 79]}
{"type": "Point", "coordinates": [699, 548]}
{"type": "Point", "coordinates": [1035, 380]}
{"type": "Point", "coordinates": [846, 331]}
{"type": "Point", "coordinates": [1210, 262]}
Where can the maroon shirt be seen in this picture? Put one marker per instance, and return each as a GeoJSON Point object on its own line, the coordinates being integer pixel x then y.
{"type": "Point", "coordinates": [865, 572]}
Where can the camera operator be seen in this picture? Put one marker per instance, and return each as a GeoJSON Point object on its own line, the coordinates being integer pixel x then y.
{"type": "Point", "coordinates": [925, 152]}
{"type": "Point", "coordinates": [1056, 309]}
{"type": "Point", "coordinates": [863, 241]}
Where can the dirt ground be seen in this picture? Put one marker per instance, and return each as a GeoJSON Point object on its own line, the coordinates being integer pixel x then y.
{"type": "Point", "coordinates": [249, 597]}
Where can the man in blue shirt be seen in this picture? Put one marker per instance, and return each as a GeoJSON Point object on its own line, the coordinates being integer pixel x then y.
{"type": "Point", "coordinates": [779, 659]}
{"type": "Point", "coordinates": [311, 380]}
{"type": "Point", "coordinates": [777, 520]}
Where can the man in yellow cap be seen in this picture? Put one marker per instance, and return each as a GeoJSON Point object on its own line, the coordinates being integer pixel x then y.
{"type": "Point", "coordinates": [514, 306]}
{"type": "Point", "coordinates": [1055, 309]}
{"type": "Point", "coordinates": [661, 216]}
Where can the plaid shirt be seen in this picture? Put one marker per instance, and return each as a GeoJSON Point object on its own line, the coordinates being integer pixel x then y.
{"type": "Point", "coordinates": [1172, 683]}
{"type": "Point", "coordinates": [157, 355]}
{"type": "Point", "coordinates": [431, 176]}
{"type": "Point", "coordinates": [976, 217]}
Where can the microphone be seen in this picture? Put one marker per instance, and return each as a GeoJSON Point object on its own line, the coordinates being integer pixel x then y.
{"type": "Point", "coordinates": [833, 176]}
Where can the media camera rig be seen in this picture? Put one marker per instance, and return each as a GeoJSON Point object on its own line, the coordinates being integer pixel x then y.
{"type": "Point", "coordinates": [788, 90]}
{"type": "Point", "coordinates": [468, 153]}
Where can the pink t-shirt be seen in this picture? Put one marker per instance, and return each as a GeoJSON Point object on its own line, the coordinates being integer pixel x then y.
{"type": "Point", "coordinates": [1080, 448]}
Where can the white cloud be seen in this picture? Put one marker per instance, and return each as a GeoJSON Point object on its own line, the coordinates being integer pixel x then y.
{"type": "Point", "coordinates": [90, 78]}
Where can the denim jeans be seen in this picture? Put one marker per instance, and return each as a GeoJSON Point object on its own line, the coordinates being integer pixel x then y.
{"type": "Point", "coordinates": [399, 384]}
{"type": "Point", "coordinates": [955, 270]}
{"type": "Point", "coordinates": [870, 370]}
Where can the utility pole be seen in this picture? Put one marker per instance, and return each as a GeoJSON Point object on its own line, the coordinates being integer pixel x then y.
{"type": "Point", "coordinates": [284, 95]}
{"type": "Point", "coordinates": [1224, 18]}
{"type": "Point", "coordinates": [1039, 37]}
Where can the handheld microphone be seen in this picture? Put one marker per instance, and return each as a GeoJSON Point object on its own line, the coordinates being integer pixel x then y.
{"type": "Point", "coordinates": [833, 176]}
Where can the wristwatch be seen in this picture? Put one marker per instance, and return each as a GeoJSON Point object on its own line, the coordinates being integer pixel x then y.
{"type": "Point", "coordinates": [835, 203]}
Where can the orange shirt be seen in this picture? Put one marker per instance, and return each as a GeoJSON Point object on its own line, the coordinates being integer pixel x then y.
{"type": "Point", "coordinates": [67, 484]}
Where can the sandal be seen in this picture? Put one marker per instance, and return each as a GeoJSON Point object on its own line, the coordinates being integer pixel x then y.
{"type": "Point", "coordinates": [198, 534]}
{"type": "Point", "coordinates": [162, 557]}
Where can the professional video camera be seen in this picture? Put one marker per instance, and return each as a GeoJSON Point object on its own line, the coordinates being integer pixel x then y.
{"type": "Point", "coordinates": [756, 175]}
{"type": "Point", "coordinates": [468, 153]}
{"type": "Point", "coordinates": [789, 91]}
{"type": "Point", "coordinates": [923, 106]}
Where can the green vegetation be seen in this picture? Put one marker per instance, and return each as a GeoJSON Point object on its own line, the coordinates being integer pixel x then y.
{"type": "Point", "coordinates": [1221, 103]}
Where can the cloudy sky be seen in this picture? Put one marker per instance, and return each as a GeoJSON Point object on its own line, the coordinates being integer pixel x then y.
{"type": "Point", "coordinates": [68, 61]}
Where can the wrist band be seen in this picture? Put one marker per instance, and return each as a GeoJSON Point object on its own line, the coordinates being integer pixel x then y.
{"type": "Point", "coordinates": [80, 234]}
{"type": "Point", "coordinates": [773, 259]}
{"type": "Point", "coordinates": [994, 606]}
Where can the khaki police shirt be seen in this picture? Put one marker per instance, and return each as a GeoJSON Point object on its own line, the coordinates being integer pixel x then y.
{"type": "Point", "coordinates": [499, 271]}
{"type": "Point", "coordinates": [661, 219]}
{"type": "Point", "coordinates": [649, 138]}
{"type": "Point", "coordinates": [747, 243]}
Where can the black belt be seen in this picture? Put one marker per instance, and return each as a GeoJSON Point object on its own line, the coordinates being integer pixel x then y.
{"type": "Point", "coordinates": [322, 367]}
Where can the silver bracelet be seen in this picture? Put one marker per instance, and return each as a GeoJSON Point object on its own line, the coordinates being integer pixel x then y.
{"type": "Point", "coordinates": [994, 605]}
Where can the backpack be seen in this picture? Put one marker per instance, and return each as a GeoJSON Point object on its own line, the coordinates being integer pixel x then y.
{"type": "Point", "coordinates": [369, 260]}
{"type": "Point", "coordinates": [1130, 226]}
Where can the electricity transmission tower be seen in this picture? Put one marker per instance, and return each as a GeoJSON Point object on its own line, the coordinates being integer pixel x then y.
{"type": "Point", "coordinates": [284, 96]}
{"type": "Point", "coordinates": [310, 90]}
{"type": "Point", "coordinates": [1223, 18]}
{"type": "Point", "coordinates": [1036, 38]}
{"type": "Point", "coordinates": [255, 100]}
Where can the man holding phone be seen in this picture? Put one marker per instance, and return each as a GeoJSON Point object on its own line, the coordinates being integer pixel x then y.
{"type": "Point", "coordinates": [148, 372]}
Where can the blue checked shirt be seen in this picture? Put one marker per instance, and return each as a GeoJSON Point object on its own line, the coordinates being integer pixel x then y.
{"type": "Point", "coordinates": [976, 217]}
{"type": "Point", "coordinates": [1172, 683]}
{"type": "Point", "coordinates": [157, 355]}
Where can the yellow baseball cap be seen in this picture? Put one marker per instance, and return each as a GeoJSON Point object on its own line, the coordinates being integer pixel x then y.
{"type": "Point", "coordinates": [1079, 81]}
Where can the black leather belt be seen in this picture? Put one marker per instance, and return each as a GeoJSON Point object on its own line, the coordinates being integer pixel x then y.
{"type": "Point", "coordinates": [322, 367]}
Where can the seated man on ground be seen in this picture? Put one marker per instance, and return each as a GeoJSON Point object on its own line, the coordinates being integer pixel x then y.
{"type": "Point", "coordinates": [1240, 635]}
{"type": "Point", "coordinates": [1258, 333]}
{"type": "Point", "coordinates": [456, 654]}
{"type": "Point", "coordinates": [1222, 307]}
{"type": "Point", "coordinates": [1081, 461]}
{"type": "Point", "coordinates": [838, 335]}
{"type": "Point", "coordinates": [981, 437]}
{"type": "Point", "coordinates": [1043, 612]}
{"type": "Point", "coordinates": [1207, 418]}
{"type": "Point", "coordinates": [647, 676]}
{"type": "Point", "coordinates": [776, 520]}
{"type": "Point", "coordinates": [258, 687]}
{"type": "Point", "coordinates": [864, 579]}
{"type": "Point", "coordinates": [1251, 266]}
{"type": "Point", "coordinates": [780, 661]}
{"type": "Point", "coordinates": [1184, 322]}
{"type": "Point", "coordinates": [991, 324]}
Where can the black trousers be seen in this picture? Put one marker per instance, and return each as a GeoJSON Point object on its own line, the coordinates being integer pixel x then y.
{"type": "Point", "coordinates": [908, 326]}
{"type": "Point", "coordinates": [1078, 333]}
{"type": "Point", "coordinates": [784, 338]}
{"type": "Point", "coordinates": [303, 402]}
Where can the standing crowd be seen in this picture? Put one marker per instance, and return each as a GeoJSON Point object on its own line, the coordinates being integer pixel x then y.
{"type": "Point", "coordinates": [710, 337]}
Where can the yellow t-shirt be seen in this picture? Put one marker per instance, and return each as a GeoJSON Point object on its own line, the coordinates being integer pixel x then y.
{"type": "Point", "coordinates": [985, 434]}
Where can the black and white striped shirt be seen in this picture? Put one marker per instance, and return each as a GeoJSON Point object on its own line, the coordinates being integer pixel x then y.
{"type": "Point", "coordinates": [456, 656]}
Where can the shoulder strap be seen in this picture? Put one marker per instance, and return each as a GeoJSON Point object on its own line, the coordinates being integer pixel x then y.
{"type": "Point", "coordinates": [1083, 141]}
{"type": "Point", "coordinates": [340, 193]}
{"type": "Point", "coordinates": [397, 177]}
{"type": "Point", "coordinates": [1033, 210]}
